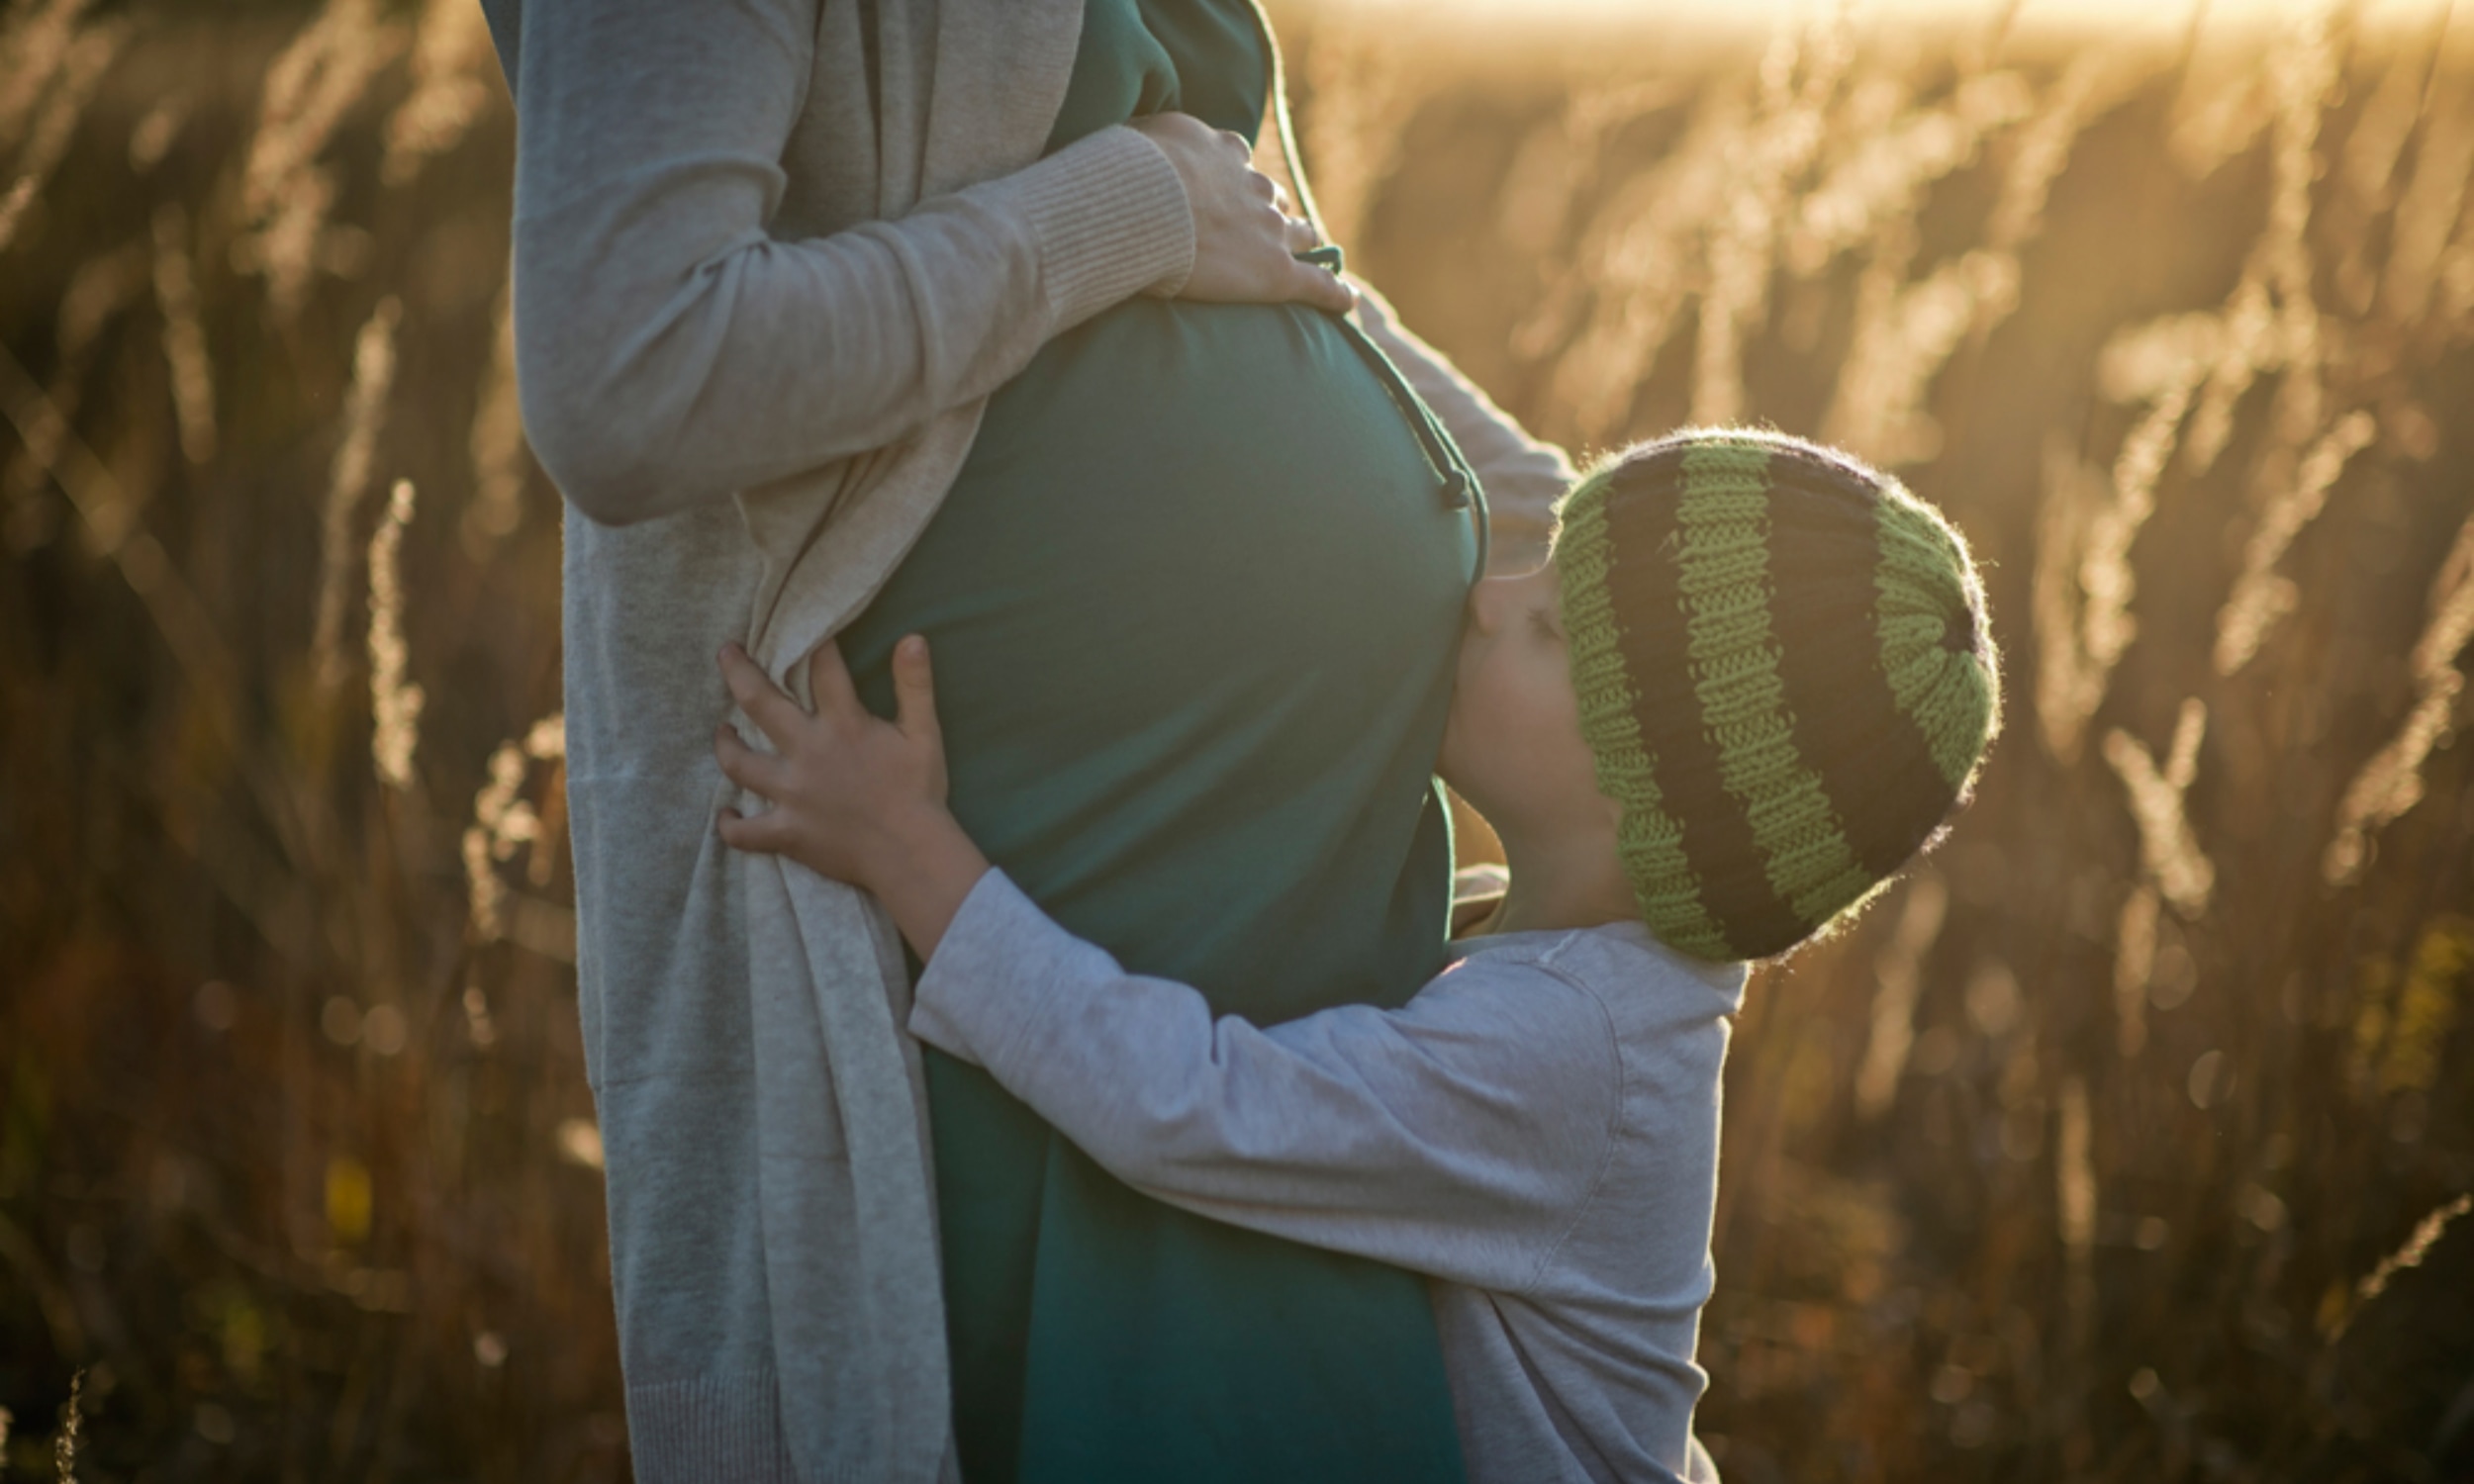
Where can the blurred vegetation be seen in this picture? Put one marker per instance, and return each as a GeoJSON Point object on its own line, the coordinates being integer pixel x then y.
{"type": "Point", "coordinates": [2126, 1141]}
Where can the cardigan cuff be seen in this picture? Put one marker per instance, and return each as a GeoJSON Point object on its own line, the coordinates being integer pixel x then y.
{"type": "Point", "coordinates": [1112, 220]}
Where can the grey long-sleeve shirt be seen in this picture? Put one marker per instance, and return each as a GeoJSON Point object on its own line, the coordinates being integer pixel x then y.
{"type": "Point", "coordinates": [1537, 1129]}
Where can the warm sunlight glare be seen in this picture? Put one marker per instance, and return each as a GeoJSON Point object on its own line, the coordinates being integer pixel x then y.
{"type": "Point", "coordinates": [2028, 15]}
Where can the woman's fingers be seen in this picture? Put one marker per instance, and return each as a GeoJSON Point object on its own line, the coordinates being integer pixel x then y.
{"type": "Point", "coordinates": [1245, 240]}
{"type": "Point", "coordinates": [775, 714]}
{"type": "Point", "coordinates": [1302, 237]}
{"type": "Point", "coordinates": [915, 692]}
{"type": "Point", "coordinates": [1322, 288]}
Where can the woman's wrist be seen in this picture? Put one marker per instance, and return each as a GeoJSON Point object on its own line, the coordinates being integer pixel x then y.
{"type": "Point", "coordinates": [1113, 219]}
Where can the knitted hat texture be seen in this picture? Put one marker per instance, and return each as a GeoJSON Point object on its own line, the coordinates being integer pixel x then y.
{"type": "Point", "coordinates": [1785, 677]}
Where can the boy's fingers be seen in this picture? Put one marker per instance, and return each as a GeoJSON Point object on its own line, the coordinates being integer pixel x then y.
{"type": "Point", "coordinates": [744, 766]}
{"type": "Point", "coordinates": [829, 679]}
{"type": "Point", "coordinates": [775, 714]}
{"type": "Point", "coordinates": [914, 690]}
{"type": "Point", "coordinates": [764, 833]}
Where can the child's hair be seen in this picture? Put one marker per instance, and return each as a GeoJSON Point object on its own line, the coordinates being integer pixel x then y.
{"type": "Point", "coordinates": [1785, 674]}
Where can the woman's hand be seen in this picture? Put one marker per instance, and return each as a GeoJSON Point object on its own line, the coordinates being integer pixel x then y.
{"type": "Point", "coordinates": [853, 797]}
{"type": "Point", "coordinates": [1244, 241]}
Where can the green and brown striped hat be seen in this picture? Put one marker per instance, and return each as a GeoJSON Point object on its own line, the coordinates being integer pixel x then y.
{"type": "Point", "coordinates": [1785, 674]}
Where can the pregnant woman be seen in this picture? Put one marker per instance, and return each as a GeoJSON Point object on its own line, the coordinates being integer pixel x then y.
{"type": "Point", "coordinates": [893, 273]}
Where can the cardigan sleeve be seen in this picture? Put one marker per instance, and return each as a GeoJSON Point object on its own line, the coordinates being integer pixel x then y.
{"type": "Point", "coordinates": [672, 351]}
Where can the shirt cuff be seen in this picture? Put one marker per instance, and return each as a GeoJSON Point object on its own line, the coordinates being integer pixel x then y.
{"type": "Point", "coordinates": [1113, 221]}
{"type": "Point", "coordinates": [958, 1005]}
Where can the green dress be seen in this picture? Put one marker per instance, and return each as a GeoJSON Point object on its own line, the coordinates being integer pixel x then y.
{"type": "Point", "coordinates": [1194, 601]}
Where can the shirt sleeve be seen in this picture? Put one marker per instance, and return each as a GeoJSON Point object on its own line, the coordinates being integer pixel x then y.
{"type": "Point", "coordinates": [672, 351]}
{"type": "Point", "coordinates": [1459, 1135]}
{"type": "Point", "coordinates": [1522, 476]}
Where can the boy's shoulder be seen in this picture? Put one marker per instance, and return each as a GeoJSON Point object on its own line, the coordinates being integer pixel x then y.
{"type": "Point", "coordinates": [1621, 964]}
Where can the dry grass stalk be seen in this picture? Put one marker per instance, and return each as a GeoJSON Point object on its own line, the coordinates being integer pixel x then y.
{"type": "Point", "coordinates": [2090, 86]}
{"type": "Point", "coordinates": [2204, 363]}
{"type": "Point", "coordinates": [2260, 597]}
{"type": "Point", "coordinates": [2169, 852]}
{"type": "Point", "coordinates": [393, 704]}
{"type": "Point", "coordinates": [106, 284]}
{"type": "Point", "coordinates": [502, 819]}
{"type": "Point", "coordinates": [185, 337]}
{"type": "Point", "coordinates": [2074, 1176]}
{"type": "Point", "coordinates": [2134, 967]}
{"type": "Point", "coordinates": [451, 58]}
{"type": "Point", "coordinates": [2172, 867]}
{"type": "Point", "coordinates": [2367, 176]}
{"type": "Point", "coordinates": [1905, 334]}
{"type": "Point", "coordinates": [2418, 1246]}
{"type": "Point", "coordinates": [156, 133]}
{"type": "Point", "coordinates": [89, 56]}
{"type": "Point", "coordinates": [2083, 617]}
{"type": "Point", "coordinates": [34, 44]}
{"type": "Point", "coordinates": [1899, 971]}
{"type": "Point", "coordinates": [2391, 782]}
{"type": "Point", "coordinates": [312, 86]}
{"type": "Point", "coordinates": [364, 417]}
{"type": "Point", "coordinates": [1781, 147]}
{"type": "Point", "coordinates": [1363, 98]}
{"type": "Point", "coordinates": [109, 515]}
{"type": "Point", "coordinates": [2217, 118]}
{"type": "Point", "coordinates": [2272, 322]}
{"type": "Point", "coordinates": [1638, 265]}
{"type": "Point", "coordinates": [1885, 177]}
{"type": "Point", "coordinates": [1558, 156]}
{"type": "Point", "coordinates": [1903, 339]}
{"type": "Point", "coordinates": [2428, 212]}
{"type": "Point", "coordinates": [72, 1424]}
{"type": "Point", "coordinates": [2066, 690]}
{"type": "Point", "coordinates": [498, 447]}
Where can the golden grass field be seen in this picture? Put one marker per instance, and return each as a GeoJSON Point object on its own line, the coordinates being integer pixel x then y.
{"type": "Point", "coordinates": [2121, 1142]}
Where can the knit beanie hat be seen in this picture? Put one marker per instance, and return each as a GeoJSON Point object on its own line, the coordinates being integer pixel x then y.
{"type": "Point", "coordinates": [1785, 676]}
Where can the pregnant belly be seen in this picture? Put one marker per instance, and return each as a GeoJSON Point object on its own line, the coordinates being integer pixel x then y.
{"type": "Point", "coordinates": [1194, 602]}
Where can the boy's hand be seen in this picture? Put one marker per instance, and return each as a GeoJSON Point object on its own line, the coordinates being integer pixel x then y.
{"type": "Point", "coordinates": [853, 797]}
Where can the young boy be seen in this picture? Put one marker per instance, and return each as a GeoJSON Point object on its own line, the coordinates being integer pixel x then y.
{"type": "Point", "coordinates": [1755, 679]}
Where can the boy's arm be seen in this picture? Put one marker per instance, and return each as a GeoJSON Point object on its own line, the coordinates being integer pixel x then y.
{"type": "Point", "coordinates": [1457, 1137]}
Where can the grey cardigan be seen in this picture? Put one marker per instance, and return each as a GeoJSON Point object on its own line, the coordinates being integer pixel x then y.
{"type": "Point", "coordinates": [771, 258]}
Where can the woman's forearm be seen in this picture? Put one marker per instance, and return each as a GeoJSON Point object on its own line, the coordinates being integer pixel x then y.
{"type": "Point", "coordinates": [672, 350]}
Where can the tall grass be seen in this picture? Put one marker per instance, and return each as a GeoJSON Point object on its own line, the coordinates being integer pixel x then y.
{"type": "Point", "coordinates": [2130, 1139]}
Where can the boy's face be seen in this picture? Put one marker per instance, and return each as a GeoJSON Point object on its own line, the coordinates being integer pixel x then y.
{"type": "Point", "coordinates": [1512, 746]}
